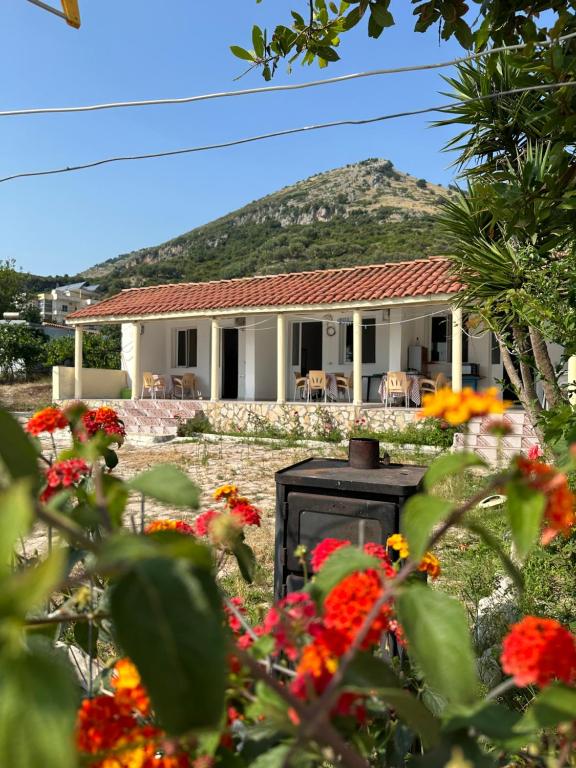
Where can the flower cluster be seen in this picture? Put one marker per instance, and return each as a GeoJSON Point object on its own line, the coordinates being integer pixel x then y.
{"type": "Point", "coordinates": [326, 547]}
{"type": "Point", "coordinates": [104, 419]}
{"type": "Point", "coordinates": [64, 474]}
{"type": "Point", "coordinates": [120, 726]}
{"type": "Point", "coordinates": [459, 407]}
{"type": "Point", "coordinates": [429, 563]}
{"type": "Point", "coordinates": [560, 511]}
{"type": "Point", "coordinates": [47, 420]}
{"type": "Point", "coordinates": [169, 525]}
{"type": "Point", "coordinates": [537, 651]}
{"type": "Point", "coordinates": [223, 527]}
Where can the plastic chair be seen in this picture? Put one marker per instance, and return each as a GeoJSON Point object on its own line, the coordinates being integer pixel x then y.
{"type": "Point", "coordinates": [442, 381]}
{"type": "Point", "coordinates": [396, 386]}
{"type": "Point", "coordinates": [184, 383]}
{"type": "Point", "coordinates": [428, 385]}
{"type": "Point", "coordinates": [343, 384]}
{"type": "Point", "coordinates": [300, 385]}
{"type": "Point", "coordinates": [148, 384]}
{"type": "Point", "coordinates": [159, 384]}
{"type": "Point", "coordinates": [316, 383]}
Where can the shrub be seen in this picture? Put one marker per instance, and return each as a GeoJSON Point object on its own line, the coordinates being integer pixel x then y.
{"type": "Point", "coordinates": [98, 351]}
{"type": "Point", "coordinates": [198, 424]}
{"type": "Point", "coordinates": [21, 349]}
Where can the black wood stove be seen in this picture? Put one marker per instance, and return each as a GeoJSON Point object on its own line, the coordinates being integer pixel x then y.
{"type": "Point", "coordinates": [328, 498]}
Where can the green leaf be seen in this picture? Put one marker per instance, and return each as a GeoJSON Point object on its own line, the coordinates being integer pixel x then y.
{"type": "Point", "coordinates": [327, 53]}
{"type": "Point", "coordinates": [491, 540]}
{"type": "Point", "coordinates": [525, 509]}
{"type": "Point", "coordinates": [38, 704]}
{"type": "Point", "coordinates": [29, 587]}
{"type": "Point", "coordinates": [168, 484]}
{"type": "Point", "coordinates": [552, 706]}
{"type": "Point", "coordinates": [242, 53]}
{"type": "Point", "coordinates": [340, 564]}
{"type": "Point", "coordinates": [450, 464]}
{"type": "Point", "coordinates": [367, 673]}
{"type": "Point", "coordinates": [419, 516]}
{"type": "Point", "coordinates": [246, 561]}
{"type": "Point", "coordinates": [166, 605]}
{"type": "Point", "coordinates": [439, 640]}
{"type": "Point", "coordinates": [258, 41]}
{"type": "Point", "coordinates": [383, 16]}
{"type": "Point", "coordinates": [123, 549]}
{"type": "Point", "coordinates": [17, 451]}
{"type": "Point", "coordinates": [490, 719]}
{"type": "Point", "coordinates": [16, 514]}
{"type": "Point", "coordinates": [86, 638]}
{"type": "Point", "coordinates": [110, 458]}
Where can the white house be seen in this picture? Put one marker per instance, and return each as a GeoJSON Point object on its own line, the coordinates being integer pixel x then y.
{"type": "Point", "coordinates": [245, 338]}
{"type": "Point", "coordinates": [55, 305]}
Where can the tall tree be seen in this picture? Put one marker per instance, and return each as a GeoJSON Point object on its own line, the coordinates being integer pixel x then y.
{"type": "Point", "coordinates": [11, 286]}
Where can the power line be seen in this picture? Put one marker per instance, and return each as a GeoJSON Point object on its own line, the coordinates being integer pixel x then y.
{"type": "Point", "coordinates": [285, 132]}
{"type": "Point", "coordinates": [279, 88]}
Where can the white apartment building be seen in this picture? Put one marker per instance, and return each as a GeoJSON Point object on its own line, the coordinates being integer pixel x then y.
{"type": "Point", "coordinates": [57, 304]}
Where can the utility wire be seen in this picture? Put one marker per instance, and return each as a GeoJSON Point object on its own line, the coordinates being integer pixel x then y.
{"type": "Point", "coordinates": [285, 132]}
{"type": "Point", "coordinates": [279, 88]}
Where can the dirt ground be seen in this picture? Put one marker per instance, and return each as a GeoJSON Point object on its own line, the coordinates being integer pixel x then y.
{"type": "Point", "coordinates": [26, 396]}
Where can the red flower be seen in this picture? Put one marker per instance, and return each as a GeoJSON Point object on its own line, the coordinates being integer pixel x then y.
{"type": "Point", "coordinates": [105, 420]}
{"type": "Point", "coordinates": [233, 621]}
{"type": "Point", "coordinates": [535, 452]}
{"type": "Point", "coordinates": [47, 420]}
{"type": "Point", "coordinates": [128, 688]}
{"type": "Point", "coordinates": [537, 651]}
{"type": "Point", "coordinates": [169, 525]}
{"type": "Point", "coordinates": [349, 603]}
{"type": "Point", "coordinates": [64, 474]}
{"type": "Point", "coordinates": [201, 524]}
{"type": "Point", "coordinates": [559, 513]}
{"type": "Point", "coordinates": [289, 621]}
{"type": "Point", "coordinates": [324, 549]}
{"type": "Point", "coordinates": [245, 512]}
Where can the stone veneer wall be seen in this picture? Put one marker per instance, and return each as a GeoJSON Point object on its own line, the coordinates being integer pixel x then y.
{"type": "Point", "coordinates": [231, 416]}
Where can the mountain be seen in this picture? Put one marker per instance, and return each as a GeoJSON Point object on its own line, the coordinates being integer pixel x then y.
{"type": "Point", "coordinates": [362, 213]}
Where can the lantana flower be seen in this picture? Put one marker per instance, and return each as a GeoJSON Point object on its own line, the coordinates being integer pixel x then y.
{"type": "Point", "coordinates": [169, 525]}
{"type": "Point", "coordinates": [47, 420]}
{"type": "Point", "coordinates": [560, 510]}
{"type": "Point", "coordinates": [104, 419]}
{"type": "Point", "coordinates": [459, 407]}
{"type": "Point", "coordinates": [537, 651]}
{"type": "Point", "coordinates": [64, 474]}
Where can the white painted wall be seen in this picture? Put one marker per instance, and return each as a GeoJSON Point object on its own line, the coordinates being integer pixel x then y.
{"type": "Point", "coordinates": [264, 360]}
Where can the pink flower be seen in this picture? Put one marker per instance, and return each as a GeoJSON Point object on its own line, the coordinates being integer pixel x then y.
{"type": "Point", "coordinates": [535, 452]}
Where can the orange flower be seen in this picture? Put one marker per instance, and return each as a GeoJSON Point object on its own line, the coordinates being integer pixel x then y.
{"type": "Point", "coordinates": [459, 407]}
{"type": "Point", "coordinates": [537, 651]}
{"type": "Point", "coordinates": [104, 419]}
{"type": "Point", "coordinates": [559, 514]}
{"type": "Point", "coordinates": [169, 525]}
{"type": "Point", "coordinates": [128, 686]}
{"type": "Point", "coordinates": [398, 543]}
{"type": "Point", "coordinates": [225, 492]}
{"type": "Point", "coordinates": [430, 565]}
{"type": "Point", "coordinates": [47, 420]}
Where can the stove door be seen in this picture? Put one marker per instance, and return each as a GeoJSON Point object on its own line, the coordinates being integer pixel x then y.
{"type": "Point", "coordinates": [313, 517]}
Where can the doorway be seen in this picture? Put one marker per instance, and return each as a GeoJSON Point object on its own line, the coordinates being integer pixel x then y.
{"type": "Point", "coordinates": [311, 347]}
{"type": "Point", "coordinates": [229, 363]}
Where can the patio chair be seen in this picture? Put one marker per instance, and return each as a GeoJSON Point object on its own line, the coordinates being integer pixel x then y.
{"type": "Point", "coordinates": [396, 386]}
{"type": "Point", "coordinates": [300, 386]}
{"type": "Point", "coordinates": [184, 383]}
{"type": "Point", "coordinates": [148, 384]}
{"type": "Point", "coordinates": [442, 381]}
{"type": "Point", "coordinates": [343, 384]}
{"type": "Point", "coordinates": [428, 385]}
{"type": "Point", "coordinates": [316, 383]}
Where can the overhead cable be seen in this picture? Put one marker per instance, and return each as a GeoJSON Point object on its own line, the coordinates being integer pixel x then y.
{"type": "Point", "coordinates": [285, 132]}
{"type": "Point", "coordinates": [279, 88]}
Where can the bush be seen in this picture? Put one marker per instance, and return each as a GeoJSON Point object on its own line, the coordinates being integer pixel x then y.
{"type": "Point", "coordinates": [98, 351]}
{"type": "Point", "coordinates": [21, 349]}
{"type": "Point", "coordinates": [424, 432]}
{"type": "Point", "coordinates": [421, 183]}
{"type": "Point", "coordinates": [198, 424]}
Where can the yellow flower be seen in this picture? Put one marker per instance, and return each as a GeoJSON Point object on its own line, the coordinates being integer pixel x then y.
{"type": "Point", "coordinates": [225, 492]}
{"type": "Point", "coordinates": [430, 565]}
{"type": "Point", "coordinates": [399, 543]}
{"type": "Point", "coordinates": [459, 407]}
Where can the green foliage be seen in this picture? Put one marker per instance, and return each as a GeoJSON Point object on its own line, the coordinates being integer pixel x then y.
{"type": "Point", "coordinates": [98, 351]}
{"type": "Point", "coordinates": [198, 424]}
{"type": "Point", "coordinates": [11, 286]}
{"type": "Point", "coordinates": [420, 515]}
{"type": "Point", "coordinates": [422, 432]}
{"type": "Point", "coordinates": [168, 484]}
{"type": "Point", "coordinates": [21, 349]}
{"type": "Point", "coordinates": [525, 509]}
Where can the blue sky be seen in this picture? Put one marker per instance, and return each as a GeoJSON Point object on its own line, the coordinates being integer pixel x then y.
{"type": "Point", "coordinates": [136, 50]}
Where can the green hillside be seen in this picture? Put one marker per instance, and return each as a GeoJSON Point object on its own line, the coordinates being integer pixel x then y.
{"type": "Point", "coordinates": [362, 213]}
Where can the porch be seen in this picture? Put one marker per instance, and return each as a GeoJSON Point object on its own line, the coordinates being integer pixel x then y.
{"type": "Point", "coordinates": [256, 356]}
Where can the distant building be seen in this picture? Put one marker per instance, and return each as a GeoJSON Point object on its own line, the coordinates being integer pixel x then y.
{"type": "Point", "coordinates": [57, 304]}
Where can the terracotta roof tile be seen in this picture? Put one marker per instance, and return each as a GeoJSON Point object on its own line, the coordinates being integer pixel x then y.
{"type": "Point", "coordinates": [422, 277]}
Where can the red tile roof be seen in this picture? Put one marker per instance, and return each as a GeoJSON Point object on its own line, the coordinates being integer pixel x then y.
{"type": "Point", "coordinates": [421, 277]}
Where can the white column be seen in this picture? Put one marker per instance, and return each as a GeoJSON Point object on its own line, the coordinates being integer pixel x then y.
{"type": "Point", "coordinates": [357, 356]}
{"type": "Point", "coordinates": [572, 378]}
{"type": "Point", "coordinates": [78, 331]}
{"type": "Point", "coordinates": [136, 356]}
{"type": "Point", "coordinates": [457, 349]}
{"type": "Point", "coordinates": [395, 339]}
{"type": "Point", "coordinates": [280, 358]}
{"type": "Point", "coordinates": [215, 361]}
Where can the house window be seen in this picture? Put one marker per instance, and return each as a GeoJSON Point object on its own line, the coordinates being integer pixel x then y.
{"type": "Point", "coordinates": [368, 341]}
{"type": "Point", "coordinates": [187, 348]}
{"type": "Point", "coordinates": [64, 307]}
{"type": "Point", "coordinates": [441, 346]}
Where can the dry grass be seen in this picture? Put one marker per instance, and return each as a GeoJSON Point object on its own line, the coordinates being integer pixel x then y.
{"type": "Point", "coordinates": [26, 395]}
